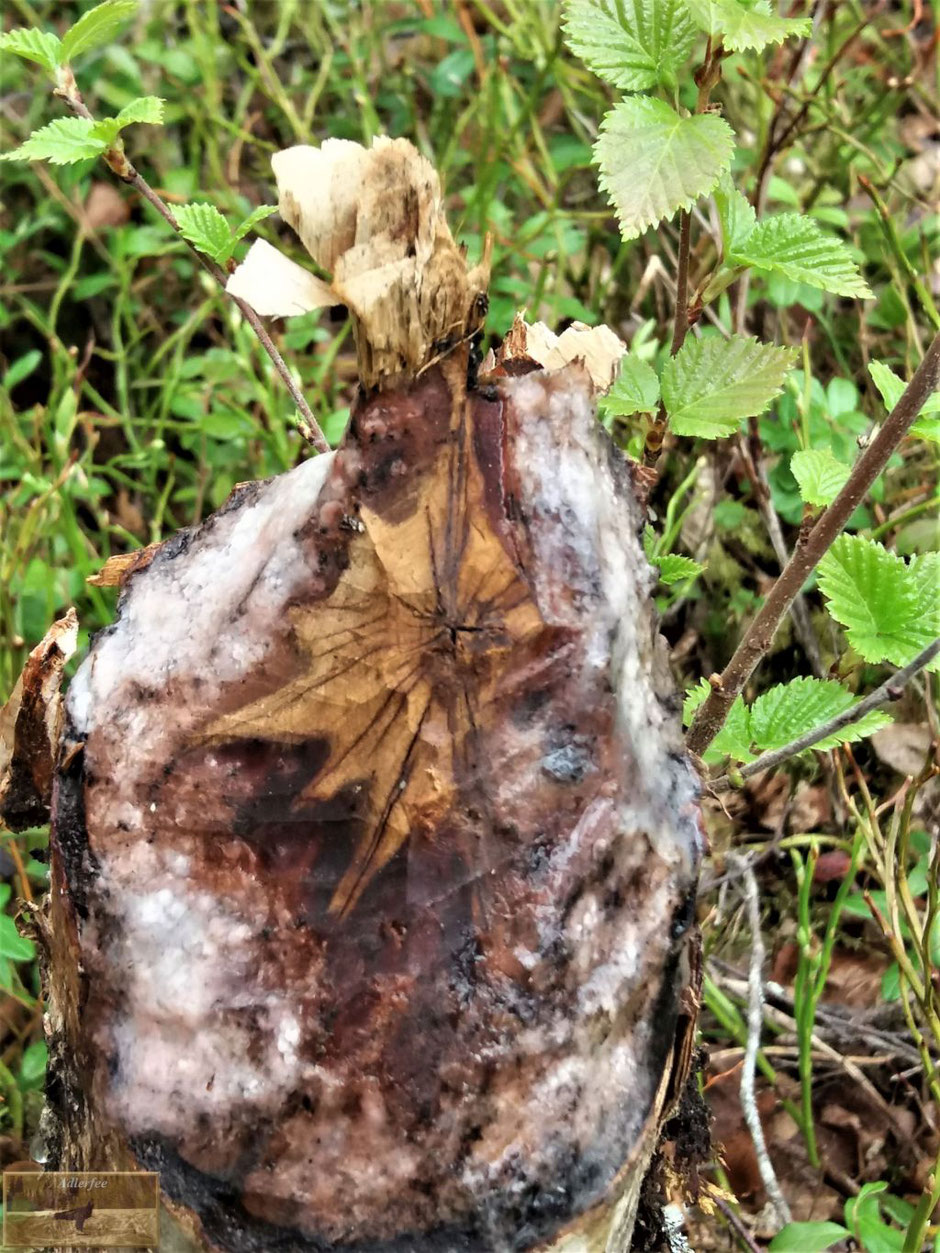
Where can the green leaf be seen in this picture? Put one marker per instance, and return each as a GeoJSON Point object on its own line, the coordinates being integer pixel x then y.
{"type": "Point", "coordinates": [892, 388]}
{"type": "Point", "coordinates": [206, 229]}
{"type": "Point", "coordinates": [797, 247]}
{"type": "Point", "coordinates": [147, 109]}
{"type": "Point", "coordinates": [636, 389]}
{"type": "Point", "coordinates": [21, 369]}
{"type": "Point", "coordinates": [807, 1238]}
{"type": "Point", "coordinates": [96, 27]}
{"type": "Point", "coordinates": [890, 611]}
{"type": "Point", "coordinates": [13, 945]}
{"type": "Point", "coordinates": [633, 44]}
{"type": "Point", "coordinates": [33, 1065]}
{"type": "Point", "coordinates": [745, 26]}
{"type": "Point", "coordinates": [653, 162]}
{"type": "Point", "coordinates": [734, 738]}
{"type": "Point", "coordinates": [735, 213]}
{"type": "Point", "coordinates": [63, 142]}
{"type": "Point", "coordinates": [711, 384]}
{"type": "Point", "coordinates": [819, 475]}
{"type": "Point", "coordinates": [674, 568]}
{"type": "Point", "coordinates": [789, 710]}
{"type": "Point", "coordinates": [254, 217]}
{"type": "Point", "coordinates": [40, 46]}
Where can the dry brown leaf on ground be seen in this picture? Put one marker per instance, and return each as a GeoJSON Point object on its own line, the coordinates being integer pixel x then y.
{"type": "Point", "coordinates": [30, 725]}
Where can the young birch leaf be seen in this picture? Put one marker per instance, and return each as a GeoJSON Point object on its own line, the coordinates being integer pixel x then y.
{"type": "Point", "coordinates": [889, 610]}
{"type": "Point", "coordinates": [148, 109]}
{"type": "Point", "coordinates": [891, 388]}
{"type": "Point", "coordinates": [632, 44]}
{"type": "Point", "coordinates": [40, 46]}
{"type": "Point", "coordinates": [254, 217]}
{"type": "Point", "coordinates": [674, 568]}
{"type": "Point", "coordinates": [789, 710]}
{"type": "Point", "coordinates": [206, 229]}
{"type": "Point", "coordinates": [96, 27]}
{"type": "Point", "coordinates": [734, 738]}
{"type": "Point", "coordinates": [64, 141]}
{"type": "Point", "coordinates": [819, 476]}
{"type": "Point", "coordinates": [711, 384]}
{"type": "Point", "coordinates": [635, 390]}
{"type": "Point", "coordinates": [797, 247]}
{"type": "Point", "coordinates": [653, 162]}
{"type": "Point", "coordinates": [736, 214]}
{"type": "Point", "coordinates": [742, 26]}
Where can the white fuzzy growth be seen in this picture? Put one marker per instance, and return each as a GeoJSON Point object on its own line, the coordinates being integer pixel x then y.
{"type": "Point", "coordinates": [170, 625]}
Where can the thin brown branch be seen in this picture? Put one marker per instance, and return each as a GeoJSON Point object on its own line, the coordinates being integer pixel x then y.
{"type": "Point", "coordinates": [889, 690]}
{"type": "Point", "coordinates": [117, 161]}
{"type": "Point", "coordinates": [681, 327]}
{"type": "Point", "coordinates": [712, 713]}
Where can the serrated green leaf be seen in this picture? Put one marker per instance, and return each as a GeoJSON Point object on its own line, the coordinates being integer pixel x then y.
{"type": "Point", "coordinates": [807, 1237]}
{"type": "Point", "coordinates": [206, 229]}
{"type": "Point", "coordinates": [711, 384]}
{"type": "Point", "coordinates": [889, 609]}
{"type": "Point", "coordinates": [819, 476]}
{"type": "Point", "coordinates": [64, 141]}
{"type": "Point", "coordinates": [635, 390]}
{"type": "Point", "coordinates": [96, 27]}
{"type": "Point", "coordinates": [632, 44]}
{"type": "Point", "coordinates": [146, 109]}
{"type": "Point", "coordinates": [654, 162]}
{"type": "Point", "coordinates": [674, 568]}
{"type": "Point", "coordinates": [789, 710]}
{"type": "Point", "coordinates": [734, 738]}
{"type": "Point", "coordinates": [891, 388]}
{"type": "Point", "coordinates": [735, 213]}
{"type": "Point", "coordinates": [254, 217]}
{"type": "Point", "coordinates": [797, 247]}
{"type": "Point", "coordinates": [927, 428]}
{"type": "Point", "coordinates": [743, 26]}
{"type": "Point", "coordinates": [14, 946]}
{"type": "Point", "coordinates": [40, 46]}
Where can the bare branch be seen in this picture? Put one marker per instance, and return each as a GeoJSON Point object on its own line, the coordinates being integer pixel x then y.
{"type": "Point", "coordinates": [755, 1022]}
{"type": "Point", "coordinates": [890, 690]}
{"type": "Point", "coordinates": [711, 715]}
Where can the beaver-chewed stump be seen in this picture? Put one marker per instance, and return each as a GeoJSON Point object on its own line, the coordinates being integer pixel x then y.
{"type": "Point", "coordinates": [375, 847]}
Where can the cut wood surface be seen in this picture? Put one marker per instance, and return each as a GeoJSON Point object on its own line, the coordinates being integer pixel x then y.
{"type": "Point", "coordinates": [375, 844]}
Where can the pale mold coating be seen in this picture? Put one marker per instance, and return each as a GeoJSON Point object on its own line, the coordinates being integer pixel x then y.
{"type": "Point", "coordinates": [468, 1057]}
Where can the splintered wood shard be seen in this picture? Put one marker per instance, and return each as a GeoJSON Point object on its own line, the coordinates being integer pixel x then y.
{"type": "Point", "coordinates": [375, 847]}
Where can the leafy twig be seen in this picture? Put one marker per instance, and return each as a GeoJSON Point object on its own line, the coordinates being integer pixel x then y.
{"type": "Point", "coordinates": [890, 690]}
{"type": "Point", "coordinates": [707, 79]}
{"type": "Point", "coordinates": [118, 163]}
{"type": "Point", "coordinates": [711, 714]}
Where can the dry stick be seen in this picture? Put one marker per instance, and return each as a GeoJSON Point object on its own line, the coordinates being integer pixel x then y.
{"type": "Point", "coordinates": [890, 690]}
{"type": "Point", "coordinates": [711, 715]}
{"type": "Point", "coordinates": [117, 161]}
{"type": "Point", "coordinates": [755, 1022]}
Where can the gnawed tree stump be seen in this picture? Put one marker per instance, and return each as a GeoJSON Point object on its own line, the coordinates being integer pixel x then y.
{"type": "Point", "coordinates": [374, 843]}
